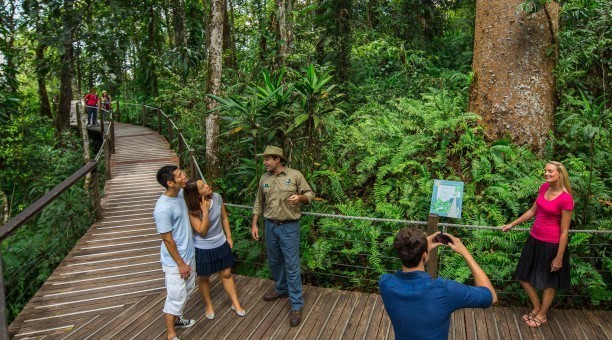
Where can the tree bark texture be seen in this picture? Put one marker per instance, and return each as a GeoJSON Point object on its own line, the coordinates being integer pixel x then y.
{"type": "Point", "coordinates": [283, 31]}
{"type": "Point", "coordinates": [4, 204]}
{"type": "Point", "coordinates": [213, 86]}
{"type": "Point", "coordinates": [514, 87]}
{"type": "Point", "coordinates": [82, 116]}
{"type": "Point", "coordinates": [42, 68]}
{"type": "Point", "coordinates": [180, 34]}
{"type": "Point", "coordinates": [63, 112]}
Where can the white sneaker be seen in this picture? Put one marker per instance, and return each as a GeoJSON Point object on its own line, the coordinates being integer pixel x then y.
{"type": "Point", "coordinates": [184, 323]}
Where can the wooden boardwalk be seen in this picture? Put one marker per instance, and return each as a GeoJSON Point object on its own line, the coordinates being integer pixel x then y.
{"type": "Point", "coordinates": [111, 285]}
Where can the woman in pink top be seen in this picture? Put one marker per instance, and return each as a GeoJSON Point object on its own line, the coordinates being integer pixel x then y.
{"type": "Point", "coordinates": [544, 262]}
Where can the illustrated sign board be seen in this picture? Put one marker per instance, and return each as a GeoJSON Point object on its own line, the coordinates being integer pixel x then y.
{"type": "Point", "coordinates": [447, 198]}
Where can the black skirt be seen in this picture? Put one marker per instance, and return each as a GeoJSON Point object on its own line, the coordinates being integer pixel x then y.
{"type": "Point", "coordinates": [534, 265]}
{"type": "Point", "coordinates": [210, 261]}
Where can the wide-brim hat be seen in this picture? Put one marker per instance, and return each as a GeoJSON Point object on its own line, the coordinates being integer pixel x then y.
{"type": "Point", "coordinates": [273, 151]}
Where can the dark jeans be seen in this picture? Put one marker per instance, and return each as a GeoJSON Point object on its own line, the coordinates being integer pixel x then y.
{"type": "Point", "coordinates": [92, 115]}
{"type": "Point", "coordinates": [283, 249]}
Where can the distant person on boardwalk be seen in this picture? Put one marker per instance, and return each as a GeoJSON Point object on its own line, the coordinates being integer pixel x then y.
{"type": "Point", "coordinates": [544, 262]}
{"type": "Point", "coordinates": [177, 251]}
{"type": "Point", "coordinates": [91, 102]}
{"type": "Point", "coordinates": [105, 103]}
{"type": "Point", "coordinates": [280, 195]}
{"type": "Point", "coordinates": [213, 242]}
{"type": "Point", "coordinates": [418, 305]}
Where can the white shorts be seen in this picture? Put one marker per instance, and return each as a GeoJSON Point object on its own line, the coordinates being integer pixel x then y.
{"type": "Point", "coordinates": [177, 288]}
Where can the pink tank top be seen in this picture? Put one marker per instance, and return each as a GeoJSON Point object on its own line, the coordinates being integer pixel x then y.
{"type": "Point", "coordinates": [547, 225]}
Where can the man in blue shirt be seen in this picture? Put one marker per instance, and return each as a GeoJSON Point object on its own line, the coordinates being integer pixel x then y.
{"type": "Point", "coordinates": [420, 307]}
{"type": "Point", "coordinates": [177, 249]}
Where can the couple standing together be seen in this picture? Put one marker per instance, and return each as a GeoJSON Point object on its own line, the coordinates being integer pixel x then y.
{"type": "Point", "coordinates": [187, 205]}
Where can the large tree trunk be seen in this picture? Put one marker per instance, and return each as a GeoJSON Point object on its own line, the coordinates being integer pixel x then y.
{"type": "Point", "coordinates": [63, 113]}
{"type": "Point", "coordinates": [178, 19]}
{"type": "Point", "coordinates": [514, 87]}
{"type": "Point", "coordinates": [213, 86]}
{"type": "Point", "coordinates": [283, 31]}
{"type": "Point", "coordinates": [42, 68]}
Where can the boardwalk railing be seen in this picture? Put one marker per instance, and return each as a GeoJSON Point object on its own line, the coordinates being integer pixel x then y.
{"type": "Point", "coordinates": [76, 201]}
{"type": "Point", "coordinates": [352, 252]}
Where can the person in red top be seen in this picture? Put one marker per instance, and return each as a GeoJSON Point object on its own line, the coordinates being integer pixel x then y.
{"type": "Point", "coordinates": [91, 102]}
{"type": "Point", "coordinates": [544, 261]}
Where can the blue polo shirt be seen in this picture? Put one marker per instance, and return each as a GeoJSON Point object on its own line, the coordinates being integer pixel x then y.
{"type": "Point", "coordinates": [420, 307]}
{"type": "Point", "coordinates": [171, 215]}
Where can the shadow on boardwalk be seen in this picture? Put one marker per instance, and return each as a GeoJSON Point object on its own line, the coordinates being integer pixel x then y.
{"type": "Point", "coordinates": [111, 284]}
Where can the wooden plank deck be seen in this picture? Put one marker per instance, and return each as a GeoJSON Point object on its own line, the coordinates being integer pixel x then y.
{"type": "Point", "coordinates": [111, 285]}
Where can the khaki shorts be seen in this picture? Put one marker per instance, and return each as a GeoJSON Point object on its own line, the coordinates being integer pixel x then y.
{"type": "Point", "coordinates": [177, 288]}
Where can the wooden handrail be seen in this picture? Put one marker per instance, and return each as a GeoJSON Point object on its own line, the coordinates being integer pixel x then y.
{"type": "Point", "coordinates": [31, 211]}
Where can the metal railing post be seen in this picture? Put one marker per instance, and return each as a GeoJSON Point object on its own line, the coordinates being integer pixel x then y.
{"type": "Point", "coordinates": [144, 115]}
{"type": "Point", "coordinates": [159, 123]}
{"type": "Point", "coordinates": [432, 227]}
{"type": "Point", "coordinates": [118, 112]}
{"type": "Point", "coordinates": [107, 157]}
{"type": "Point", "coordinates": [180, 146]}
{"type": "Point", "coordinates": [3, 324]}
{"type": "Point", "coordinates": [96, 193]}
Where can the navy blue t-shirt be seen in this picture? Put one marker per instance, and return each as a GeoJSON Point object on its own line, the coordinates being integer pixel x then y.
{"type": "Point", "coordinates": [420, 307]}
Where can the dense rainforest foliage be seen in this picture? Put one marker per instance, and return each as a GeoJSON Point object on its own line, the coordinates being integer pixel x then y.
{"type": "Point", "coordinates": [369, 99]}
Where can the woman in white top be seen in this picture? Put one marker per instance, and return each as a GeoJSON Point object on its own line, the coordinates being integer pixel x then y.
{"type": "Point", "coordinates": [213, 242]}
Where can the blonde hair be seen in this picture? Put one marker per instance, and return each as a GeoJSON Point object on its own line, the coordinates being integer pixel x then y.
{"type": "Point", "coordinates": [564, 176]}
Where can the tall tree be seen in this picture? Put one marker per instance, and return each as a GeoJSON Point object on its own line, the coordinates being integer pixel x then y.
{"type": "Point", "coordinates": [148, 51]}
{"type": "Point", "coordinates": [69, 15]}
{"type": "Point", "coordinates": [514, 87]}
{"type": "Point", "coordinates": [213, 86]}
{"type": "Point", "coordinates": [42, 69]}
{"type": "Point", "coordinates": [178, 20]}
{"type": "Point", "coordinates": [284, 31]}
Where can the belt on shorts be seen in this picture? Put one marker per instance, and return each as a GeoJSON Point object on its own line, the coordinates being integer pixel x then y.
{"type": "Point", "coordinates": [279, 223]}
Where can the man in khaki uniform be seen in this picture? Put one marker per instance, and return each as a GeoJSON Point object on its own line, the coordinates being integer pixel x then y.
{"type": "Point", "coordinates": [280, 195]}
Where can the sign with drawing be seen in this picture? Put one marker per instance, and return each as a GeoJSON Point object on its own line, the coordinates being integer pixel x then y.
{"type": "Point", "coordinates": [447, 198]}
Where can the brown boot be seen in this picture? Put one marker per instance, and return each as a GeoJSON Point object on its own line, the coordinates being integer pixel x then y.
{"type": "Point", "coordinates": [273, 295]}
{"type": "Point", "coordinates": [295, 317]}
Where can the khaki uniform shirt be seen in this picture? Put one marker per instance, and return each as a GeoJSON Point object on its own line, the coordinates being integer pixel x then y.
{"type": "Point", "coordinates": [273, 192]}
